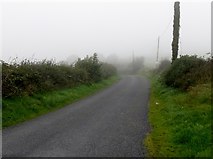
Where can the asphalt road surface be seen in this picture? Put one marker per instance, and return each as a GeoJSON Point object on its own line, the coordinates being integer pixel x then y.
{"type": "Point", "coordinates": [111, 123]}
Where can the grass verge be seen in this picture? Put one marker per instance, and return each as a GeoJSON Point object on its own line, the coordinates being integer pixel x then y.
{"type": "Point", "coordinates": [16, 110]}
{"type": "Point", "coordinates": [181, 121]}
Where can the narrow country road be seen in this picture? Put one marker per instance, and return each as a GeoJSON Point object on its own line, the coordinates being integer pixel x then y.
{"type": "Point", "coordinates": [111, 123]}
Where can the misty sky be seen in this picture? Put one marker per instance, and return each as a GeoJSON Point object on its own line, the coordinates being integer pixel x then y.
{"type": "Point", "coordinates": [62, 29]}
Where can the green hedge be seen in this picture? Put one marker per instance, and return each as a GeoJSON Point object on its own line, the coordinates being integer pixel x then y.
{"type": "Point", "coordinates": [27, 78]}
{"type": "Point", "coordinates": [188, 71]}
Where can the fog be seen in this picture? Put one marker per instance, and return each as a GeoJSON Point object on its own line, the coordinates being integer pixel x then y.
{"type": "Point", "coordinates": [65, 30]}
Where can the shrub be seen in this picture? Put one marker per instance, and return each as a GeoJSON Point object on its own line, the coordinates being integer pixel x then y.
{"type": "Point", "coordinates": [107, 70]}
{"type": "Point", "coordinates": [187, 71]}
{"type": "Point", "coordinates": [92, 67]}
{"type": "Point", "coordinates": [27, 77]}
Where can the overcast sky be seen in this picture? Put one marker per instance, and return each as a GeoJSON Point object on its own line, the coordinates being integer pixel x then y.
{"type": "Point", "coordinates": [59, 29]}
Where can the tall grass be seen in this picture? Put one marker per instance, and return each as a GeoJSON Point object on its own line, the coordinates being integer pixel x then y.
{"type": "Point", "coordinates": [180, 109]}
{"type": "Point", "coordinates": [181, 121]}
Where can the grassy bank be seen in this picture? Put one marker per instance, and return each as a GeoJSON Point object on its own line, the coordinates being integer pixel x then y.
{"type": "Point", "coordinates": [19, 109]}
{"type": "Point", "coordinates": [181, 121]}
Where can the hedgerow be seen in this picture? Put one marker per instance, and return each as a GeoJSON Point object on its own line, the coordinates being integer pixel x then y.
{"type": "Point", "coordinates": [28, 77]}
{"type": "Point", "coordinates": [188, 71]}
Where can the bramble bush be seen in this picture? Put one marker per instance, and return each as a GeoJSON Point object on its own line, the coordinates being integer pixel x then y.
{"type": "Point", "coordinates": [27, 77]}
{"type": "Point", "coordinates": [188, 71]}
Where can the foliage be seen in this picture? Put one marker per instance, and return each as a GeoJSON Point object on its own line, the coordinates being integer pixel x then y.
{"type": "Point", "coordinates": [92, 67]}
{"type": "Point", "coordinates": [107, 70]}
{"type": "Point", "coordinates": [27, 78]}
{"type": "Point", "coordinates": [187, 71]}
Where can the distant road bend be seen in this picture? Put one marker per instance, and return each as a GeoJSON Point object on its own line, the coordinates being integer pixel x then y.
{"type": "Point", "coordinates": [111, 123]}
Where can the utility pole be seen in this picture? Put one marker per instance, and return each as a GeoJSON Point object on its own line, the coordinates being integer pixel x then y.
{"type": "Point", "coordinates": [176, 26]}
{"type": "Point", "coordinates": [158, 48]}
{"type": "Point", "coordinates": [133, 60]}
